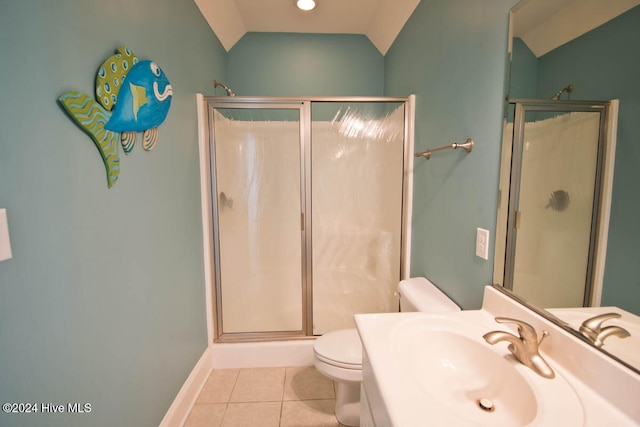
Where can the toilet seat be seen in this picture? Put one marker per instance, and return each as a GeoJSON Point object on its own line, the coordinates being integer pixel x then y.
{"type": "Point", "coordinates": [341, 348]}
{"type": "Point", "coordinates": [338, 356]}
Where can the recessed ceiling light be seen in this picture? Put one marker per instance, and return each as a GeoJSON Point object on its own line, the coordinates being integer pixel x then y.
{"type": "Point", "coordinates": [306, 4]}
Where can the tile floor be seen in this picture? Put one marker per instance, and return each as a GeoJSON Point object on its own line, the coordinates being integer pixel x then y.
{"type": "Point", "coordinates": [265, 397]}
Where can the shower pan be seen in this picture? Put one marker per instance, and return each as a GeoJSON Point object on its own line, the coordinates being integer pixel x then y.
{"type": "Point", "coordinates": [308, 210]}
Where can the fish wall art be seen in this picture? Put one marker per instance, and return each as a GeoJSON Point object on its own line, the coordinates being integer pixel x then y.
{"type": "Point", "coordinates": [131, 96]}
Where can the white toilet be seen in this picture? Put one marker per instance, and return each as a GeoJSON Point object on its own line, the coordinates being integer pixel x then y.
{"type": "Point", "coordinates": [338, 354]}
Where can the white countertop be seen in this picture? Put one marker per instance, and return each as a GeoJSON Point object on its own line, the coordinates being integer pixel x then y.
{"type": "Point", "coordinates": [399, 403]}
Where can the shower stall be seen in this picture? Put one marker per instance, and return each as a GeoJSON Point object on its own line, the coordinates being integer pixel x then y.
{"type": "Point", "coordinates": [557, 165]}
{"type": "Point", "coordinates": [308, 207]}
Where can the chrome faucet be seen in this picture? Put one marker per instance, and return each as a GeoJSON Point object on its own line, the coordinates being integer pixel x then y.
{"type": "Point", "coordinates": [592, 329]}
{"type": "Point", "coordinates": [525, 347]}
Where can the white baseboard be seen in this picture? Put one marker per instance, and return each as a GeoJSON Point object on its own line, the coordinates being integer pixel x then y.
{"type": "Point", "coordinates": [186, 397]}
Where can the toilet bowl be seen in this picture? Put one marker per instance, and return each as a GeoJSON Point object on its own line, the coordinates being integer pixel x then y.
{"type": "Point", "coordinates": [338, 354]}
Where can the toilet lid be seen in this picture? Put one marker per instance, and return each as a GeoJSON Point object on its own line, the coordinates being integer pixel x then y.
{"type": "Point", "coordinates": [341, 348]}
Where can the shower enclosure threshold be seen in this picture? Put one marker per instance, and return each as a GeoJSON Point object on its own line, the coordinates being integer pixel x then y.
{"type": "Point", "coordinates": [263, 354]}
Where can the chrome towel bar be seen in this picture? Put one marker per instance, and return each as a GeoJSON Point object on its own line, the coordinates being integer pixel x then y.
{"type": "Point", "coordinates": [467, 145]}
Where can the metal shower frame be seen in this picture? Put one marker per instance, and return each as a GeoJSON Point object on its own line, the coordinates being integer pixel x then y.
{"type": "Point", "coordinates": [303, 105]}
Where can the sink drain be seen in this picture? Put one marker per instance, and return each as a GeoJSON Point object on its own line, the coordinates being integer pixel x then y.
{"type": "Point", "coordinates": [486, 405]}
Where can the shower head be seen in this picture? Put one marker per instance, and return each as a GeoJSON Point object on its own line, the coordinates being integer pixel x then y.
{"type": "Point", "coordinates": [567, 89]}
{"type": "Point", "coordinates": [224, 86]}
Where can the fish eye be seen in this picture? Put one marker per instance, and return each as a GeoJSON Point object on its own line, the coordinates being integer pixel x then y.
{"type": "Point", "coordinates": [154, 69]}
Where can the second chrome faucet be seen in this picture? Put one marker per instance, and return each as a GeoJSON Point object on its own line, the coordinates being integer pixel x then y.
{"type": "Point", "coordinates": [593, 330]}
{"type": "Point", "coordinates": [525, 347]}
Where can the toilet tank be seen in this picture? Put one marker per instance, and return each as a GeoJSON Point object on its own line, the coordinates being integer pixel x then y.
{"type": "Point", "coordinates": [419, 294]}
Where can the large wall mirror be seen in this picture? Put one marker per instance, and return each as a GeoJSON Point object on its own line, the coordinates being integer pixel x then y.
{"type": "Point", "coordinates": [567, 235]}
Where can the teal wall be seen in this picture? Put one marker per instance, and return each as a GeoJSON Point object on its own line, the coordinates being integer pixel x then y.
{"type": "Point", "coordinates": [452, 55]}
{"type": "Point", "coordinates": [605, 64]}
{"type": "Point", "coordinates": [103, 301]}
{"type": "Point", "coordinates": [291, 64]}
{"type": "Point", "coordinates": [523, 74]}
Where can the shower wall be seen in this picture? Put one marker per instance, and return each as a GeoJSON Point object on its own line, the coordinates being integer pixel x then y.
{"type": "Point", "coordinates": [356, 197]}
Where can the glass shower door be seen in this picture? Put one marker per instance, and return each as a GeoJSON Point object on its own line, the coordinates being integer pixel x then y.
{"type": "Point", "coordinates": [256, 152]}
{"type": "Point", "coordinates": [357, 185]}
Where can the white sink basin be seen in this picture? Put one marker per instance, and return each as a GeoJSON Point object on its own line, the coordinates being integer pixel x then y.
{"type": "Point", "coordinates": [453, 377]}
{"type": "Point", "coordinates": [469, 378]}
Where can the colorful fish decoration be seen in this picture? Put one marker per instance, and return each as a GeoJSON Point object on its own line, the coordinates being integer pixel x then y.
{"type": "Point", "coordinates": [132, 96]}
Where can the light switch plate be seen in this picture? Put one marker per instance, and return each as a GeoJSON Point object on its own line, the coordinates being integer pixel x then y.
{"type": "Point", "coordinates": [482, 243]}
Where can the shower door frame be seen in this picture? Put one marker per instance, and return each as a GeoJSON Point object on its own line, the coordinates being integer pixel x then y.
{"type": "Point", "coordinates": [206, 107]}
{"type": "Point", "coordinates": [600, 209]}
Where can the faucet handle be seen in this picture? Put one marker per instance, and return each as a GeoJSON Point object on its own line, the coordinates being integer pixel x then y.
{"type": "Point", "coordinates": [526, 331]}
{"type": "Point", "coordinates": [595, 323]}
{"type": "Point", "coordinates": [592, 326]}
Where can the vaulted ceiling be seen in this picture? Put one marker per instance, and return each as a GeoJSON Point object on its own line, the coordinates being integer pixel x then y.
{"type": "Point", "coordinates": [546, 24]}
{"type": "Point", "coordinates": [542, 24]}
{"type": "Point", "coordinates": [379, 20]}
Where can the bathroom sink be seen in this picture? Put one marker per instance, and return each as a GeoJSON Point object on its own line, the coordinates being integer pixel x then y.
{"type": "Point", "coordinates": [467, 381]}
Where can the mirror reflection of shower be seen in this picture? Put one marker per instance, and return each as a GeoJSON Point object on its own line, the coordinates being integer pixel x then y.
{"type": "Point", "coordinates": [567, 89]}
{"type": "Point", "coordinates": [552, 214]}
{"type": "Point", "coordinates": [223, 86]}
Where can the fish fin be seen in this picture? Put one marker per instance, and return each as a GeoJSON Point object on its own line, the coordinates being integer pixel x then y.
{"type": "Point", "coordinates": [128, 140]}
{"type": "Point", "coordinates": [149, 139]}
{"type": "Point", "coordinates": [111, 76]}
{"type": "Point", "coordinates": [139, 94]}
{"type": "Point", "coordinates": [91, 117]}
{"type": "Point", "coordinates": [123, 50]}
